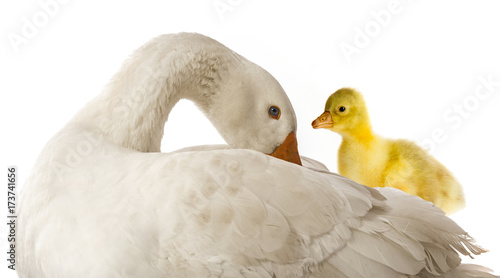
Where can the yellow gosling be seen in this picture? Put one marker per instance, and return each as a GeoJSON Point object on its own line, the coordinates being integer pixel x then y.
{"type": "Point", "coordinates": [375, 161]}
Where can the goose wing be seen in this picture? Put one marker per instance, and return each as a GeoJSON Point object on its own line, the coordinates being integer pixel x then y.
{"type": "Point", "coordinates": [248, 214]}
{"type": "Point", "coordinates": [228, 213]}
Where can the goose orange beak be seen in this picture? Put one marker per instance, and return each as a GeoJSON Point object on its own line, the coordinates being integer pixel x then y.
{"type": "Point", "coordinates": [288, 150]}
{"type": "Point", "coordinates": [323, 121]}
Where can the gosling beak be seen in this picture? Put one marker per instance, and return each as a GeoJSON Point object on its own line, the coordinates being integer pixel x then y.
{"type": "Point", "coordinates": [323, 121]}
{"type": "Point", "coordinates": [288, 150]}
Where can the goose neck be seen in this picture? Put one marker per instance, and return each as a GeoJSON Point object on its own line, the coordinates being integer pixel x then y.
{"type": "Point", "coordinates": [133, 109]}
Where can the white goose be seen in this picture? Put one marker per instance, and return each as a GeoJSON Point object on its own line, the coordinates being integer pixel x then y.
{"type": "Point", "coordinates": [103, 202]}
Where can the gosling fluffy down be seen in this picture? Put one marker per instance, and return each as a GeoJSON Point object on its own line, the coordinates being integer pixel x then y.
{"type": "Point", "coordinates": [370, 159]}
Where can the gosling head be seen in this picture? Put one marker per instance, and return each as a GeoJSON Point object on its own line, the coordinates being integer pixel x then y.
{"type": "Point", "coordinates": [345, 113]}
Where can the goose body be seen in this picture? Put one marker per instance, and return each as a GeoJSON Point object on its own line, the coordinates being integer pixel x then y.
{"type": "Point", "coordinates": [103, 202]}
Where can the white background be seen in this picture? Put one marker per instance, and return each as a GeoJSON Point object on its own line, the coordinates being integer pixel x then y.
{"type": "Point", "coordinates": [426, 60]}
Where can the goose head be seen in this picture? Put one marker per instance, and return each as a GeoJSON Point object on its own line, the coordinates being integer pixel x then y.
{"type": "Point", "coordinates": [252, 111]}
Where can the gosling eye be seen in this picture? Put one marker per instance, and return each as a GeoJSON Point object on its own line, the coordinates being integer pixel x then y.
{"type": "Point", "coordinates": [341, 109]}
{"type": "Point", "coordinates": [275, 112]}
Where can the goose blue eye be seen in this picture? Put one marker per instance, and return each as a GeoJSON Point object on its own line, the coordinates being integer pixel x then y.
{"type": "Point", "coordinates": [274, 112]}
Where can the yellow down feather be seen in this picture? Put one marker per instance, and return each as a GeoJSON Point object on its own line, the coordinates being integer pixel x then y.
{"type": "Point", "coordinates": [375, 161]}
